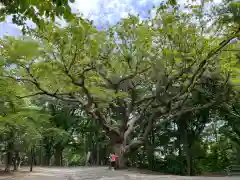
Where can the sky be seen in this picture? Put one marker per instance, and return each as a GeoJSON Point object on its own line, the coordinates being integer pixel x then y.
{"type": "Point", "coordinates": [102, 12]}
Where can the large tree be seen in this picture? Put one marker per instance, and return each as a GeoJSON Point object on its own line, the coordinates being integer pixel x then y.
{"type": "Point", "coordinates": [131, 77]}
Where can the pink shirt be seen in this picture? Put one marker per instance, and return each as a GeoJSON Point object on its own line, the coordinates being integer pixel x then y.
{"type": "Point", "coordinates": [113, 157]}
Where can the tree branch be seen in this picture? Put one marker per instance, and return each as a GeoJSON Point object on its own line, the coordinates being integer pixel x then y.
{"type": "Point", "coordinates": [130, 128]}
{"type": "Point", "coordinates": [140, 141]}
{"type": "Point", "coordinates": [133, 75]}
{"type": "Point", "coordinates": [30, 95]}
{"type": "Point", "coordinates": [95, 113]}
{"type": "Point", "coordinates": [186, 110]}
{"type": "Point", "coordinates": [73, 60]}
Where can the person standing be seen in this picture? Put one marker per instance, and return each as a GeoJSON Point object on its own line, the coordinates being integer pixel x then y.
{"type": "Point", "coordinates": [113, 158]}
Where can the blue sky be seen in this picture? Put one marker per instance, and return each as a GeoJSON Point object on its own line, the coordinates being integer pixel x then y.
{"type": "Point", "coordinates": [103, 12]}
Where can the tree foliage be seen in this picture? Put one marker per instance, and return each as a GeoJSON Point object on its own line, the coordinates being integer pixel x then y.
{"type": "Point", "coordinates": [35, 10]}
{"type": "Point", "coordinates": [158, 86]}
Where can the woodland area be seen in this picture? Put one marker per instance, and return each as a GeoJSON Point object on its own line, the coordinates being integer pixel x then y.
{"type": "Point", "coordinates": [162, 93]}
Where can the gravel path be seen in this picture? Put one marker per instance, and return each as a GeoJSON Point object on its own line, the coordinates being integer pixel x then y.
{"type": "Point", "coordinates": [100, 173]}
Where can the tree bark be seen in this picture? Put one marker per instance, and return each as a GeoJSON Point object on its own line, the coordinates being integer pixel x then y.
{"type": "Point", "coordinates": [31, 159]}
{"type": "Point", "coordinates": [47, 155]}
{"type": "Point", "coordinates": [47, 158]}
{"type": "Point", "coordinates": [183, 135]}
{"type": "Point", "coordinates": [47, 145]}
{"type": "Point", "coordinates": [88, 156]}
{"type": "Point", "coordinates": [150, 152]}
{"type": "Point", "coordinates": [7, 161]}
{"type": "Point", "coordinates": [98, 153]}
{"type": "Point", "coordinates": [179, 146]}
{"type": "Point", "coordinates": [187, 153]}
{"type": "Point", "coordinates": [58, 155]}
{"type": "Point", "coordinates": [185, 142]}
{"type": "Point", "coordinates": [16, 161]}
{"type": "Point", "coordinates": [118, 149]}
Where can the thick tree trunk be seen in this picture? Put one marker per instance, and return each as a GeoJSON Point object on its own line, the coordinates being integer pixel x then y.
{"type": "Point", "coordinates": [123, 145]}
{"type": "Point", "coordinates": [58, 155]}
{"type": "Point", "coordinates": [118, 149]}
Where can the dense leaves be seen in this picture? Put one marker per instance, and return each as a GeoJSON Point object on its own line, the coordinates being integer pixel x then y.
{"type": "Point", "coordinates": [157, 92]}
{"type": "Point", "coordinates": [35, 10]}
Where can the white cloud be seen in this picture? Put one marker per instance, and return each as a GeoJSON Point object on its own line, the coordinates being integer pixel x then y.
{"type": "Point", "coordinates": [109, 10]}
{"type": "Point", "coordinates": [103, 11]}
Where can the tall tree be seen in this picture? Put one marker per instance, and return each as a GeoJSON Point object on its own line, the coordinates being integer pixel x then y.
{"type": "Point", "coordinates": [119, 75]}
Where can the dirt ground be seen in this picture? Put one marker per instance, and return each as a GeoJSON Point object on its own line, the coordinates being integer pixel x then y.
{"type": "Point", "coordinates": [94, 173]}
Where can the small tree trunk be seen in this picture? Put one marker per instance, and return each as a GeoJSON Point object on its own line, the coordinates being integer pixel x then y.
{"type": "Point", "coordinates": [19, 164]}
{"type": "Point", "coordinates": [88, 156]}
{"type": "Point", "coordinates": [16, 160]}
{"type": "Point", "coordinates": [150, 152]}
{"type": "Point", "coordinates": [14, 164]}
{"type": "Point", "coordinates": [31, 160]}
{"type": "Point", "coordinates": [98, 154]}
{"type": "Point", "coordinates": [41, 158]}
{"type": "Point", "coordinates": [183, 134]}
{"type": "Point", "coordinates": [7, 161]}
{"type": "Point", "coordinates": [48, 151]}
{"type": "Point", "coordinates": [47, 156]}
{"type": "Point", "coordinates": [8, 156]}
{"type": "Point", "coordinates": [188, 160]}
{"type": "Point", "coordinates": [47, 159]}
{"type": "Point", "coordinates": [187, 152]}
{"type": "Point", "coordinates": [58, 155]}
